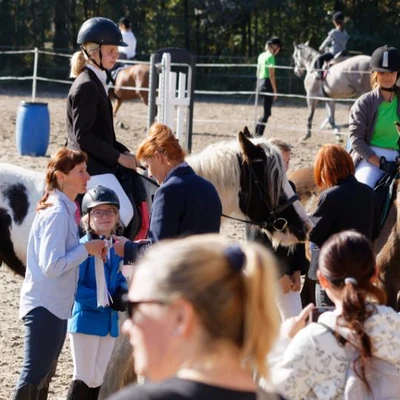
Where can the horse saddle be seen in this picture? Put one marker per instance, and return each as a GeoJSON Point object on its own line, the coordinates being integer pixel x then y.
{"type": "Point", "coordinates": [136, 192]}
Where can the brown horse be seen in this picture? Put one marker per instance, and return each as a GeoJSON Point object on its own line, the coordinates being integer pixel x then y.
{"type": "Point", "coordinates": [134, 76]}
{"type": "Point", "coordinates": [387, 246]}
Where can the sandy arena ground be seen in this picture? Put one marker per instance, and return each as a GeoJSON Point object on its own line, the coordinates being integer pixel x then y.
{"type": "Point", "coordinates": [214, 120]}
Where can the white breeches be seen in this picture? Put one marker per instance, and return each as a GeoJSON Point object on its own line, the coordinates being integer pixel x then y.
{"type": "Point", "coordinates": [289, 304]}
{"type": "Point", "coordinates": [370, 174]}
{"type": "Point", "coordinates": [90, 354]}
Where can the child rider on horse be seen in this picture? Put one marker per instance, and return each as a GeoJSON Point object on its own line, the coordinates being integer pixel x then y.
{"type": "Point", "coordinates": [90, 123]}
{"type": "Point", "coordinates": [336, 40]}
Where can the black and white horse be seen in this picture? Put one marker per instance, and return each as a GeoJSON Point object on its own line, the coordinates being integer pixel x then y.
{"type": "Point", "coordinates": [248, 175]}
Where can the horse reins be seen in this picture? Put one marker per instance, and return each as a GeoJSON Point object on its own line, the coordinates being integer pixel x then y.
{"type": "Point", "coordinates": [273, 221]}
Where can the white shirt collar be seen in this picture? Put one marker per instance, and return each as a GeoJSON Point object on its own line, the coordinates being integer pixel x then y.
{"type": "Point", "coordinates": [100, 74]}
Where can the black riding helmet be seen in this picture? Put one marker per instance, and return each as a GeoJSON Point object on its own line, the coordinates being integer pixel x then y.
{"type": "Point", "coordinates": [385, 59]}
{"type": "Point", "coordinates": [101, 31]}
{"type": "Point", "coordinates": [275, 40]}
{"type": "Point", "coordinates": [97, 196]}
{"type": "Point", "coordinates": [338, 16]}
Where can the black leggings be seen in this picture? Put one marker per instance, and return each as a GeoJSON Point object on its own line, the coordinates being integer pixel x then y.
{"type": "Point", "coordinates": [323, 58]}
{"type": "Point", "coordinates": [264, 85]}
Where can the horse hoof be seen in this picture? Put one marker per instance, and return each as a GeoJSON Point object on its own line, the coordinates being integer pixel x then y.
{"type": "Point", "coordinates": [305, 137]}
{"type": "Point", "coordinates": [339, 138]}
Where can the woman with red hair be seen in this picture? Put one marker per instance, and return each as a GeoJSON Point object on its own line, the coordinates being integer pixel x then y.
{"type": "Point", "coordinates": [343, 204]}
{"type": "Point", "coordinates": [185, 203]}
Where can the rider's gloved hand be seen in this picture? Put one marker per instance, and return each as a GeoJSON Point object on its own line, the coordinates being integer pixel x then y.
{"type": "Point", "coordinates": [390, 167]}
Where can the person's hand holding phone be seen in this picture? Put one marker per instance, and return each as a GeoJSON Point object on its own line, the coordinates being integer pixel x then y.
{"type": "Point", "coordinates": [291, 326]}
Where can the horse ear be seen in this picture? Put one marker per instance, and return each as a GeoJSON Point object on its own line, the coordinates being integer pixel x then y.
{"type": "Point", "coordinates": [294, 44]}
{"type": "Point", "coordinates": [247, 148]}
{"type": "Point", "coordinates": [307, 43]}
{"type": "Point", "coordinates": [247, 133]}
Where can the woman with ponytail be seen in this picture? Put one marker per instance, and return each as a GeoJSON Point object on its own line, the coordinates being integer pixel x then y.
{"type": "Point", "coordinates": [53, 257]}
{"type": "Point", "coordinates": [314, 362]}
{"type": "Point", "coordinates": [204, 322]}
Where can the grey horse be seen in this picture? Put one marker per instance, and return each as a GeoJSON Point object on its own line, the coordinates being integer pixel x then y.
{"type": "Point", "coordinates": [346, 79]}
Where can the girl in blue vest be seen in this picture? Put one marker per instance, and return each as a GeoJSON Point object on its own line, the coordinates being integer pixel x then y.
{"type": "Point", "coordinates": [94, 323]}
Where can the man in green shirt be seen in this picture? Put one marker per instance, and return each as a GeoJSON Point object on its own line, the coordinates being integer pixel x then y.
{"type": "Point", "coordinates": [266, 79]}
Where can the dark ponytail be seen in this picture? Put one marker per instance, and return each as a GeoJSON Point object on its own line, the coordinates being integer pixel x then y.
{"type": "Point", "coordinates": [347, 261]}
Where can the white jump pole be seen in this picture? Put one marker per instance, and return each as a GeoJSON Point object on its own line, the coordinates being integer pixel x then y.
{"type": "Point", "coordinates": [181, 110]}
{"type": "Point", "coordinates": [35, 65]}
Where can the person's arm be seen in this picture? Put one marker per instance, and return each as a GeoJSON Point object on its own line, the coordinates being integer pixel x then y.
{"type": "Point", "coordinates": [358, 129]}
{"type": "Point", "coordinates": [273, 81]}
{"type": "Point", "coordinates": [326, 42]}
{"type": "Point", "coordinates": [292, 358]}
{"type": "Point", "coordinates": [84, 109]}
{"type": "Point", "coordinates": [165, 214]}
{"type": "Point", "coordinates": [127, 160]}
{"type": "Point", "coordinates": [54, 258]}
{"type": "Point", "coordinates": [323, 219]}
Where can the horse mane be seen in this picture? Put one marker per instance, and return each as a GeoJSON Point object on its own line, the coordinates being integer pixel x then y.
{"type": "Point", "coordinates": [311, 53]}
{"type": "Point", "coordinates": [275, 170]}
{"type": "Point", "coordinates": [218, 163]}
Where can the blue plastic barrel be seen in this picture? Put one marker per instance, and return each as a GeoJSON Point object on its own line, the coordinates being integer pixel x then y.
{"type": "Point", "coordinates": [32, 129]}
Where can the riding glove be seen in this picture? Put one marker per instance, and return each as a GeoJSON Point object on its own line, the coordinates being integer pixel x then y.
{"type": "Point", "coordinates": [117, 304]}
{"type": "Point", "coordinates": [390, 167]}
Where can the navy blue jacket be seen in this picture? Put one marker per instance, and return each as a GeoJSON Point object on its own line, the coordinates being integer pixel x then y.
{"type": "Point", "coordinates": [185, 204]}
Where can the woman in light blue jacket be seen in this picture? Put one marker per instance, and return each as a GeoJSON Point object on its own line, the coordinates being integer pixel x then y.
{"type": "Point", "coordinates": [53, 256]}
{"type": "Point", "coordinates": [94, 323]}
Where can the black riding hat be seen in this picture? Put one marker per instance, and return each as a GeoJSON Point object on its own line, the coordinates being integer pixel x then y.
{"type": "Point", "coordinates": [97, 196]}
{"type": "Point", "coordinates": [101, 31]}
{"type": "Point", "coordinates": [385, 59]}
{"type": "Point", "coordinates": [275, 40]}
{"type": "Point", "coordinates": [338, 16]}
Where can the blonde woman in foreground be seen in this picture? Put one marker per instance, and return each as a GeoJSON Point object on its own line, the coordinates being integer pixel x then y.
{"type": "Point", "coordinates": [203, 322]}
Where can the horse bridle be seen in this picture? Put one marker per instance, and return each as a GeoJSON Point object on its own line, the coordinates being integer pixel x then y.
{"type": "Point", "coordinates": [273, 220]}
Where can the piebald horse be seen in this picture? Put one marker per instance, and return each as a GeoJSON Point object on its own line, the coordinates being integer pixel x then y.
{"type": "Point", "coordinates": [387, 246]}
{"type": "Point", "coordinates": [249, 177]}
{"type": "Point", "coordinates": [346, 79]}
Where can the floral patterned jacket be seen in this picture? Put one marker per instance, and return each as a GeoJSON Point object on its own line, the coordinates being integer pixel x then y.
{"type": "Point", "coordinates": [313, 365]}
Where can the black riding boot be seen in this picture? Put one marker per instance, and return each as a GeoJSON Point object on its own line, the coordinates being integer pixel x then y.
{"type": "Point", "coordinates": [94, 393]}
{"type": "Point", "coordinates": [78, 390]}
{"type": "Point", "coordinates": [43, 393]}
{"type": "Point", "coordinates": [26, 392]}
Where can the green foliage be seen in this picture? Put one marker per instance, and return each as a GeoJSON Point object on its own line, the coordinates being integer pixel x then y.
{"type": "Point", "coordinates": [215, 30]}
